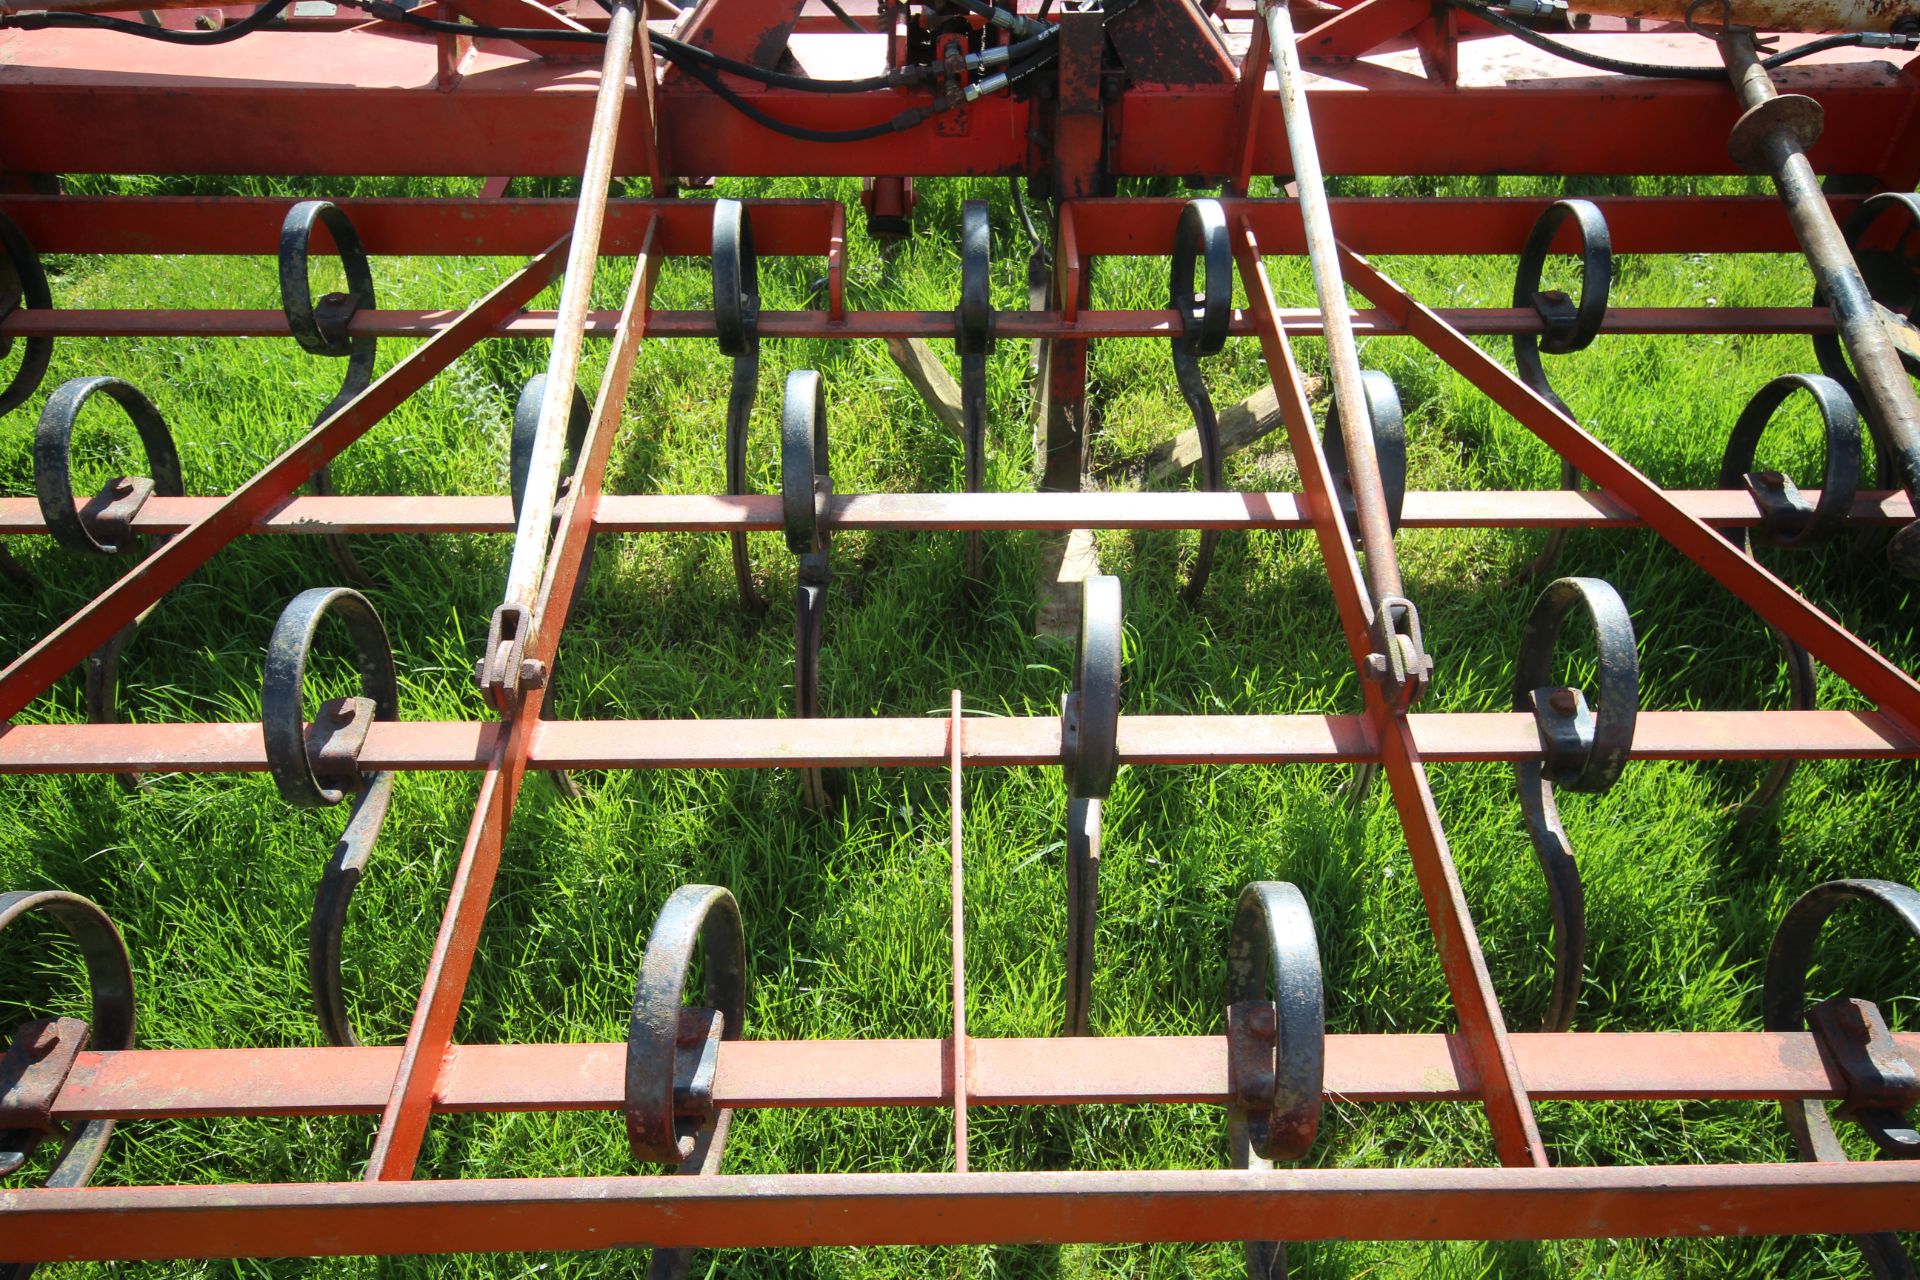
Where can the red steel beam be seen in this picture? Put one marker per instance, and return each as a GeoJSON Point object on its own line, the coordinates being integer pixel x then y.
{"type": "Point", "coordinates": [172, 1084]}
{"type": "Point", "coordinates": [915, 742]}
{"type": "Point", "coordinates": [452, 227]}
{"type": "Point", "coordinates": [1516, 1135]}
{"type": "Point", "coordinates": [1500, 225]}
{"type": "Point", "coordinates": [1009, 324]}
{"type": "Point", "coordinates": [802, 1210]}
{"type": "Point", "coordinates": [700, 513]}
{"type": "Point", "coordinates": [419, 226]}
{"type": "Point", "coordinates": [1842, 651]}
{"type": "Point", "coordinates": [93, 102]}
{"type": "Point", "coordinates": [168, 566]}
{"type": "Point", "coordinates": [403, 1124]}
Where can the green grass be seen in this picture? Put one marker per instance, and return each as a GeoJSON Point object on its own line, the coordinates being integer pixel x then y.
{"type": "Point", "coordinates": [211, 876]}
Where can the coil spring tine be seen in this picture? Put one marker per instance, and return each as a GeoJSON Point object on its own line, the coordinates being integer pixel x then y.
{"type": "Point", "coordinates": [806, 502]}
{"type": "Point", "coordinates": [1276, 1043]}
{"type": "Point", "coordinates": [110, 977]}
{"type": "Point", "coordinates": [104, 526]}
{"type": "Point", "coordinates": [973, 339]}
{"type": "Point", "coordinates": [322, 329]}
{"type": "Point", "coordinates": [1788, 521]}
{"type": "Point", "coordinates": [1570, 327]}
{"type": "Point", "coordinates": [736, 315]}
{"type": "Point", "coordinates": [666, 1119]}
{"type": "Point", "coordinates": [1089, 738]}
{"type": "Point", "coordinates": [1582, 751]}
{"type": "Point", "coordinates": [1389, 424]}
{"type": "Point", "coordinates": [23, 283]}
{"type": "Point", "coordinates": [338, 731]}
{"type": "Point", "coordinates": [702, 911]}
{"type": "Point", "coordinates": [1200, 241]}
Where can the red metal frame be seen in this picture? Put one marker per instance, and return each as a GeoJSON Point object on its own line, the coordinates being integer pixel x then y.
{"type": "Point", "coordinates": [95, 102]}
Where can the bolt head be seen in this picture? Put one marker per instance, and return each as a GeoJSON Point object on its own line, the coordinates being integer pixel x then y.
{"type": "Point", "coordinates": [1563, 701]}
{"type": "Point", "coordinates": [1261, 1022]}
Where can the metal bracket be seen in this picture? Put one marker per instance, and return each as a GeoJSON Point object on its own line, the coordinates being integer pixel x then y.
{"type": "Point", "coordinates": [32, 1073]}
{"type": "Point", "coordinates": [335, 739]}
{"type": "Point", "coordinates": [1786, 518]}
{"type": "Point", "coordinates": [1882, 1086]}
{"type": "Point", "coordinates": [1253, 1043]}
{"type": "Point", "coordinates": [108, 515]}
{"type": "Point", "coordinates": [1399, 662]}
{"type": "Point", "coordinates": [501, 672]}
{"type": "Point", "coordinates": [1566, 728]}
{"type": "Point", "coordinates": [696, 1061]}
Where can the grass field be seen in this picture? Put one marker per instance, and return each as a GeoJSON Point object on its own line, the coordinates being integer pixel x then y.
{"type": "Point", "coordinates": [211, 877]}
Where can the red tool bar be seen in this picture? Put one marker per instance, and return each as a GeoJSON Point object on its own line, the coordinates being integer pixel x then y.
{"type": "Point", "coordinates": [1401, 225]}
{"type": "Point", "coordinates": [1449, 737]}
{"type": "Point", "coordinates": [451, 227]}
{"type": "Point", "coordinates": [796, 1210]}
{"type": "Point", "coordinates": [158, 1084]}
{"type": "Point", "coordinates": [504, 227]}
{"type": "Point", "coordinates": [898, 324]}
{"type": "Point", "coordinates": [700, 513]}
{"type": "Point", "coordinates": [94, 102]}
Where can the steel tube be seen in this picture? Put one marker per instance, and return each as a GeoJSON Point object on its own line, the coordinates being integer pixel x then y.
{"type": "Point", "coordinates": [916, 742]}
{"type": "Point", "coordinates": [1891, 407]}
{"type": "Point", "coordinates": [444, 227]}
{"type": "Point", "coordinates": [1343, 357]}
{"type": "Point", "coordinates": [576, 290]}
{"type": "Point", "coordinates": [800, 1210]}
{"type": "Point", "coordinates": [156, 1084]}
{"type": "Point", "coordinates": [1300, 321]}
{"type": "Point", "coordinates": [931, 512]}
{"type": "Point", "coordinates": [403, 1124]}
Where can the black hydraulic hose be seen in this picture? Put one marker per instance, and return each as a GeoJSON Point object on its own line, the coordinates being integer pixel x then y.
{"type": "Point", "coordinates": [1647, 70]}
{"type": "Point", "coordinates": [246, 26]}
